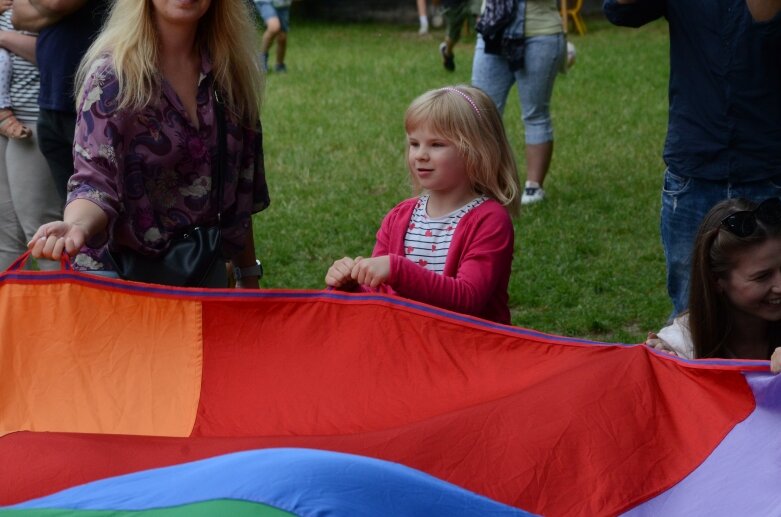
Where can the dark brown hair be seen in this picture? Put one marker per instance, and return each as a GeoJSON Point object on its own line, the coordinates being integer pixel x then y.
{"type": "Point", "coordinates": [710, 321]}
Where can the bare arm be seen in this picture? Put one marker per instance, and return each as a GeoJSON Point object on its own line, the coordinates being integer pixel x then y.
{"type": "Point", "coordinates": [20, 44]}
{"type": "Point", "coordinates": [34, 15]}
{"type": "Point", "coordinates": [764, 10]}
{"type": "Point", "coordinates": [86, 214]}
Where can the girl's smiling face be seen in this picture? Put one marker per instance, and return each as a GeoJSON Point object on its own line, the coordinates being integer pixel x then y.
{"type": "Point", "coordinates": [753, 285]}
{"type": "Point", "coordinates": [436, 162]}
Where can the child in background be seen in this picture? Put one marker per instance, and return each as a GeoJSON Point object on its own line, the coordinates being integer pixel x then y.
{"type": "Point", "coordinates": [276, 16]}
{"type": "Point", "coordinates": [436, 20]}
{"type": "Point", "coordinates": [735, 293]}
{"type": "Point", "coordinates": [422, 16]}
{"type": "Point", "coordinates": [456, 12]}
{"type": "Point", "coordinates": [453, 245]}
{"type": "Point", "coordinates": [10, 126]}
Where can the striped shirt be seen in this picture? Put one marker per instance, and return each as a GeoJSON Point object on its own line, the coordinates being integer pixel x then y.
{"type": "Point", "coordinates": [25, 82]}
{"type": "Point", "coordinates": [427, 240]}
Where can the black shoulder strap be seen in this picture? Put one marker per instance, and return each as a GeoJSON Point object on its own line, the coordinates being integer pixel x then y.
{"type": "Point", "coordinates": [222, 151]}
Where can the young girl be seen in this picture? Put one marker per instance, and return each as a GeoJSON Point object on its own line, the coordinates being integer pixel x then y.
{"type": "Point", "coordinates": [735, 293]}
{"type": "Point", "coordinates": [452, 246]}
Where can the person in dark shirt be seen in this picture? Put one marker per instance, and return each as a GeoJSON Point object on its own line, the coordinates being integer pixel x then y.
{"type": "Point", "coordinates": [66, 29]}
{"type": "Point", "coordinates": [724, 129]}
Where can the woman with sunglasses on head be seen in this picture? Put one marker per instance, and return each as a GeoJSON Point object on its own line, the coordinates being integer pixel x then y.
{"type": "Point", "coordinates": [735, 292]}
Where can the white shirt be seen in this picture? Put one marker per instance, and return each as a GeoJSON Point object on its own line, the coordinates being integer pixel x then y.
{"type": "Point", "coordinates": [678, 336]}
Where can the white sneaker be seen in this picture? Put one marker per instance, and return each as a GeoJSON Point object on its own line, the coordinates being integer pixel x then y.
{"type": "Point", "coordinates": [532, 194]}
{"type": "Point", "coordinates": [423, 25]}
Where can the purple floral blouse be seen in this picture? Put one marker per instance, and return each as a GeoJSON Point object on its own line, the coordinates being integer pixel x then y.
{"type": "Point", "coordinates": [151, 170]}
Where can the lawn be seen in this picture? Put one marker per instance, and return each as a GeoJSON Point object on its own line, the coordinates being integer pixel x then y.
{"type": "Point", "coordinates": [589, 261]}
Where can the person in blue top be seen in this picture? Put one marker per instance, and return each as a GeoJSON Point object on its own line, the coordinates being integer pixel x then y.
{"type": "Point", "coordinates": [724, 129]}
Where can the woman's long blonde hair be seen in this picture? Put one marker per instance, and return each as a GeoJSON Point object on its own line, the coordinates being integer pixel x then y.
{"type": "Point", "coordinates": [226, 31]}
{"type": "Point", "coordinates": [466, 116]}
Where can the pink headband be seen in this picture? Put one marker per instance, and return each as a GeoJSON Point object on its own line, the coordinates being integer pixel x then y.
{"type": "Point", "coordinates": [465, 96]}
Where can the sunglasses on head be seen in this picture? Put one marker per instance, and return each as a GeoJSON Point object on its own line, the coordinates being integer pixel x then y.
{"type": "Point", "coordinates": [744, 223]}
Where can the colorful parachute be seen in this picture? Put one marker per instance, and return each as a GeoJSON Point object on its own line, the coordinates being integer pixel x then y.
{"type": "Point", "coordinates": [129, 397]}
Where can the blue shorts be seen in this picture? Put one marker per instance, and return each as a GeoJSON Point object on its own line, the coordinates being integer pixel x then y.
{"type": "Point", "coordinates": [268, 11]}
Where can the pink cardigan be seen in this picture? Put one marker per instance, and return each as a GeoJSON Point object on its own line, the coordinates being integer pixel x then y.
{"type": "Point", "coordinates": [477, 268]}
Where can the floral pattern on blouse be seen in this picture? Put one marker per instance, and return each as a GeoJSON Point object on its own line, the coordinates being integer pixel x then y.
{"type": "Point", "coordinates": [151, 170]}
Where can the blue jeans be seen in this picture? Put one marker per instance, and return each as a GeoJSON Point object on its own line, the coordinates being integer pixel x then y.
{"type": "Point", "coordinates": [685, 201]}
{"type": "Point", "coordinates": [543, 57]}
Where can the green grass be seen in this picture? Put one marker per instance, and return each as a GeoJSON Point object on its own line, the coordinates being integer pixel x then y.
{"type": "Point", "coordinates": [589, 261]}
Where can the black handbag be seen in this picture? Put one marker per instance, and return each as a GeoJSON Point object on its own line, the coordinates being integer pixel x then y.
{"type": "Point", "coordinates": [194, 258]}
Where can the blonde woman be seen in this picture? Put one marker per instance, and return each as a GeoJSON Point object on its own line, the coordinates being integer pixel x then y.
{"type": "Point", "coordinates": [146, 135]}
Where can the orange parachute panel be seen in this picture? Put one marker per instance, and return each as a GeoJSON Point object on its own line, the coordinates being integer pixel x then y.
{"type": "Point", "coordinates": [83, 359]}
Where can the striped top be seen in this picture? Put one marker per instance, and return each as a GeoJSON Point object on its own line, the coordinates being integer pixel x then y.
{"type": "Point", "coordinates": [427, 240]}
{"type": "Point", "coordinates": [25, 82]}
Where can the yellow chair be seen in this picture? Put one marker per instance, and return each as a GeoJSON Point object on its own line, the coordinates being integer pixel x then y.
{"type": "Point", "coordinates": [573, 12]}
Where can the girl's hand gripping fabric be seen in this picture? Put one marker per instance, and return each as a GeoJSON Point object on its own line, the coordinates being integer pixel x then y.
{"type": "Point", "coordinates": [339, 275]}
{"type": "Point", "coordinates": [371, 272]}
{"type": "Point", "coordinates": [660, 344]}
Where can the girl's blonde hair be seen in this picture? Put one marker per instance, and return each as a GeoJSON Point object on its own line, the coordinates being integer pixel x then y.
{"type": "Point", "coordinates": [467, 117]}
{"type": "Point", "coordinates": [226, 31]}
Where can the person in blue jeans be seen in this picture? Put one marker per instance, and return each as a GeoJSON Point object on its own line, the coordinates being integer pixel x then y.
{"type": "Point", "coordinates": [532, 63]}
{"type": "Point", "coordinates": [276, 16]}
{"type": "Point", "coordinates": [724, 129]}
